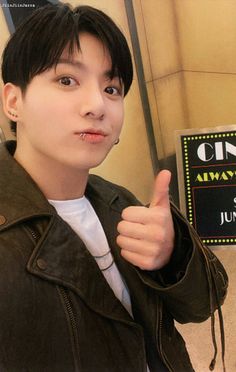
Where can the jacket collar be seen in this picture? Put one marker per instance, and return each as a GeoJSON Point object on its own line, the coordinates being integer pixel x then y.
{"type": "Point", "coordinates": [20, 197]}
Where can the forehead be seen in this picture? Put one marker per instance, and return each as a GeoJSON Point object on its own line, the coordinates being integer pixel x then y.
{"type": "Point", "coordinates": [90, 51]}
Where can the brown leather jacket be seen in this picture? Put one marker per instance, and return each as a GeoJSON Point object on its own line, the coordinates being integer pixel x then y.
{"type": "Point", "coordinates": [57, 312]}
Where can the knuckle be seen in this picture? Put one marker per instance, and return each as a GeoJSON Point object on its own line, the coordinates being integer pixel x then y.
{"type": "Point", "coordinates": [149, 264]}
{"type": "Point", "coordinates": [122, 241]}
{"type": "Point", "coordinates": [120, 226]}
{"type": "Point", "coordinates": [162, 236]}
{"type": "Point", "coordinates": [126, 212]}
{"type": "Point", "coordinates": [119, 240]}
{"type": "Point", "coordinates": [159, 236]}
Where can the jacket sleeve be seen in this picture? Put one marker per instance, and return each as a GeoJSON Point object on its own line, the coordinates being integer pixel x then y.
{"type": "Point", "coordinates": [194, 283]}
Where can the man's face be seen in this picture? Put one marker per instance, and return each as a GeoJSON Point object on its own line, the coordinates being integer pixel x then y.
{"type": "Point", "coordinates": [72, 114]}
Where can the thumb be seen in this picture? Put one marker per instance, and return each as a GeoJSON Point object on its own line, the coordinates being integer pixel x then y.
{"type": "Point", "coordinates": [161, 190]}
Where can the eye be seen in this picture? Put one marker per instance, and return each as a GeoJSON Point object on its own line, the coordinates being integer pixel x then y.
{"type": "Point", "coordinates": [112, 91]}
{"type": "Point", "coordinates": [66, 80]}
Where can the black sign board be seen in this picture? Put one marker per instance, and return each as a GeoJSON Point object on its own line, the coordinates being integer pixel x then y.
{"type": "Point", "coordinates": [208, 163]}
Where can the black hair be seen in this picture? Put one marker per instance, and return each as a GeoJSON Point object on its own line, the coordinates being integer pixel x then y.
{"type": "Point", "coordinates": [39, 41]}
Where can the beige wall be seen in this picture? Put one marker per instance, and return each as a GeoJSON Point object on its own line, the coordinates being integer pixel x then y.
{"type": "Point", "coordinates": [189, 55]}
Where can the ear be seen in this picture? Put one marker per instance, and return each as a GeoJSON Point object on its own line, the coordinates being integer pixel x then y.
{"type": "Point", "coordinates": [11, 99]}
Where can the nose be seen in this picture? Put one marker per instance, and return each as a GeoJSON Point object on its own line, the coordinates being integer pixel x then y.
{"type": "Point", "coordinates": [92, 104]}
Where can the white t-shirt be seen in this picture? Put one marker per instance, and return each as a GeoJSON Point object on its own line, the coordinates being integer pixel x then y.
{"type": "Point", "coordinates": [80, 215]}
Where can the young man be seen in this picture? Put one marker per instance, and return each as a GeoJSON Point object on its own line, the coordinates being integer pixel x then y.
{"type": "Point", "coordinates": [90, 280]}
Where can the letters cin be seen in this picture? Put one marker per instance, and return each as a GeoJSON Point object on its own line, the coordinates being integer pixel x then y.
{"type": "Point", "coordinates": [217, 151]}
{"type": "Point", "coordinates": [213, 152]}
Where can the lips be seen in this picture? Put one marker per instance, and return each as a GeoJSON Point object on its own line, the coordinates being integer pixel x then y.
{"type": "Point", "coordinates": [91, 135]}
{"type": "Point", "coordinates": [92, 131]}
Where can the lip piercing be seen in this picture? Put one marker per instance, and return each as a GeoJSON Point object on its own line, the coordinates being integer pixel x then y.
{"type": "Point", "coordinates": [82, 136]}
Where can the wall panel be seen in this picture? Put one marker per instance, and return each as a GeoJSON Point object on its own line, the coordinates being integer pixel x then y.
{"type": "Point", "coordinates": [192, 49]}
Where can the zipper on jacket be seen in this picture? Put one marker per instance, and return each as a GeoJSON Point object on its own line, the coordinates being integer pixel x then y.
{"type": "Point", "coordinates": [68, 311]}
{"type": "Point", "coordinates": [71, 320]}
{"type": "Point", "coordinates": [159, 323]}
{"type": "Point", "coordinates": [36, 236]}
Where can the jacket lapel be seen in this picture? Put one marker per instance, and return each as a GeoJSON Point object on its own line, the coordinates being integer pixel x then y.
{"type": "Point", "coordinates": [67, 262]}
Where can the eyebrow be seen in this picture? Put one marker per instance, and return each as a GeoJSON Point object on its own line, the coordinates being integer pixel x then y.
{"type": "Point", "coordinates": [71, 62]}
{"type": "Point", "coordinates": [79, 65]}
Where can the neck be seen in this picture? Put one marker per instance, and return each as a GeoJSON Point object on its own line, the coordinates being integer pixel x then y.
{"type": "Point", "coordinates": [55, 180]}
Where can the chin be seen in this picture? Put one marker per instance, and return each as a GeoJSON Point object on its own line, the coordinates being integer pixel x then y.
{"type": "Point", "coordinates": [89, 165]}
{"type": "Point", "coordinates": [98, 160]}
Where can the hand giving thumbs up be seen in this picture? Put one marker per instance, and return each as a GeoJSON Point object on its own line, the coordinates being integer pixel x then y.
{"type": "Point", "coordinates": [147, 234]}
